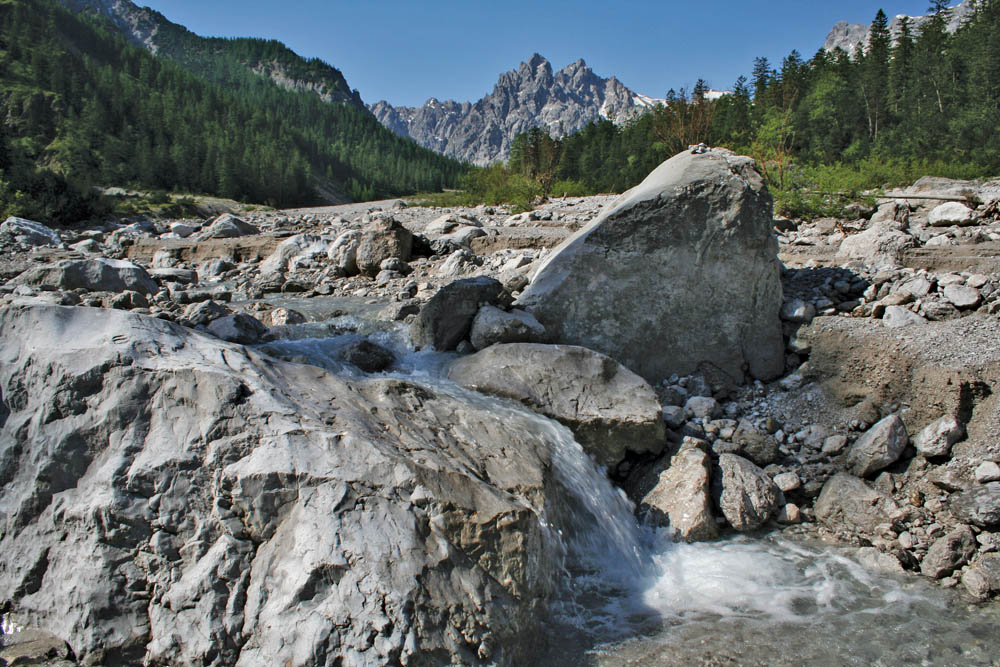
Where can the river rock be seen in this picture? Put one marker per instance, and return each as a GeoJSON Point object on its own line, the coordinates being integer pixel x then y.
{"type": "Point", "coordinates": [97, 274]}
{"type": "Point", "coordinates": [493, 325]}
{"type": "Point", "coordinates": [204, 312]}
{"type": "Point", "coordinates": [293, 250]}
{"type": "Point", "coordinates": [949, 553]}
{"type": "Point", "coordinates": [756, 445]}
{"type": "Point", "coordinates": [170, 498]}
{"type": "Point", "coordinates": [897, 316]}
{"type": "Point", "coordinates": [609, 408]}
{"type": "Point", "coordinates": [29, 232]}
{"type": "Point", "coordinates": [880, 446]}
{"type": "Point", "coordinates": [936, 438]}
{"type": "Point", "coordinates": [983, 579]}
{"type": "Point", "coordinates": [846, 503]}
{"type": "Point", "coordinates": [446, 319]}
{"type": "Point", "coordinates": [962, 297]}
{"type": "Point", "coordinates": [747, 497]}
{"type": "Point", "coordinates": [228, 226]}
{"type": "Point", "coordinates": [343, 252]}
{"type": "Point", "coordinates": [238, 328]}
{"type": "Point", "coordinates": [681, 499]}
{"type": "Point", "coordinates": [979, 505]}
{"type": "Point", "coordinates": [950, 213]}
{"type": "Point", "coordinates": [368, 356]}
{"type": "Point", "coordinates": [882, 244]}
{"type": "Point", "coordinates": [382, 239]}
{"type": "Point", "coordinates": [680, 272]}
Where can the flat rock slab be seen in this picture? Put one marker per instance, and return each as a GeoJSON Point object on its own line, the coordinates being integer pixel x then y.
{"type": "Point", "coordinates": [609, 408]}
{"type": "Point", "coordinates": [682, 272]}
{"type": "Point", "coordinates": [94, 275]}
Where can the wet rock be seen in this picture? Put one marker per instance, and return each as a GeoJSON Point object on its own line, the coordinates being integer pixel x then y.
{"type": "Point", "coordinates": [446, 319]}
{"type": "Point", "coordinates": [936, 438]}
{"type": "Point", "coordinates": [609, 408]}
{"type": "Point", "coordinates": [97, 274]}
{"type": "Point", "coordinates": [846, 503]}
{"type": "Point", "coordinates": [29, 232]}
{"type": "Point", "coordinates": [880, 446]}
{"type": "Point", "coordinates": [492, 325]}
{"type": "Point", "coordinates": [227, 226]}
{"type": "Point", "coordinates": [680, 497]}
{"type": "Point", "coordinates": [978, 505]}
{"type": "Point", "coordinates": [747, 497]}
{"type": "Point", "coordinates": [368, 356]}
{"type": "Point", "coordinates": [949, 553]}
{"type": "Point", "coordinates": [382, 239]}
{"type": "Point", "coordinates": [652, 267]}
{"type": "Point", "coordinates": [238, 328]}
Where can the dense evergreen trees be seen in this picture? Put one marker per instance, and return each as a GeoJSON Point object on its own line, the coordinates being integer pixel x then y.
{"type": "Point", "coordinates": [81, 107]}
{"type": "Point", "coordinates": [931, 101]}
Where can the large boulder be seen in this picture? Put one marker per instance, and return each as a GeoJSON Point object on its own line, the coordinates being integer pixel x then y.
{"type": "Point", "coordinates": [951, 213]}
{"type": "Point", "coordinates": [879, 447]}
{"type": "Point", "coordinates": [228, 226]}
{"type": "Point", "coordinates": [294, 250]}
{"type": "Point", "coordinates": [382, 239]}
{"type": "Point", "coordinates": [169, 498]}
{"type": "Point", "coordinates": [98, 274]}
{"type": "Point", "coordinates": [492, 325]}
{"type": "Point", "coordinates": [746, 495]}
{"type": "Point", "coordinates": [609, 408]}
{"type": "Point", "coordinates": [848, 505]}
{"type": "Point", "coordinates": [446, 319]}
{"type": "Point", "coordinates": [29, 232]}
{"type": "Point", "coordinates": [680, 497]}
{"type": "Point", "coordinates": [680, 274]}
{"type": "Point", "coordinates": [882, 244]}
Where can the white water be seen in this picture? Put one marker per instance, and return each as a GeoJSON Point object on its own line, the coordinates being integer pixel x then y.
{"type": "Point", "coordinates": [631, 596]}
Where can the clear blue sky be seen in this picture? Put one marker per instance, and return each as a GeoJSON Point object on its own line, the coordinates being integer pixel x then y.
{"type": "Point", "coordinates": [405, 51]}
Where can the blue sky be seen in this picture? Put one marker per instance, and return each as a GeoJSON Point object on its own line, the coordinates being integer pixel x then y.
{"type": "Point", "coordinates": [405, 51]}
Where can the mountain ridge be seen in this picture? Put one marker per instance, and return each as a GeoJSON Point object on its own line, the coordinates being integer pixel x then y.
{"type": "Point", "coordinates": [851, 36]}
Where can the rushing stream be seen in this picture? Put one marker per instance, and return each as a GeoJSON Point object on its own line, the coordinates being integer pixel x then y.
{"type": "Point", "coordinates": [633, 597]}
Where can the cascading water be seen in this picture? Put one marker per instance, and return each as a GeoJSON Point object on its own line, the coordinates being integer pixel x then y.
{"type": "Point", "coordinates": [631, 596]}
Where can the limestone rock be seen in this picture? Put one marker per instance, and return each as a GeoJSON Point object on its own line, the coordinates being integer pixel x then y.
{"type": "Point", "coordinates": [847, 503]}
{"type": "Point", "coordinates": [446, 319]}
{"type": "Point", "coordinates": [97, 274]}
{"type": "Point", "coordinates": [609, 408]}
{"type": "Point", "coordinates": [681, 497]}
{"type": "Point", "coordinates": [950, 213]}
{"type": "Point", "coordinates": [343, 252]}
{"type": "Point", "coordinates": [170, 498]}
{"type": "Point", "coordinates": [949, 553]}
{"type": "Point", "coordinates": [493, 325]}
{"type": "Point", "coordinates": [936, 438]}
{"type": "Point", "coordinates": [681, 272]}
{"type": "Point", "coordinates": [961, 296]}
{"type": "Point", "coordinates": [238, 328]}
{"type": "Point", "coordinates": [880, 446]}
{"type": "Point", "coordinates": [983, 579]}
{"type": "Point", "coordinates": [29, 232]}
{"type": "Point", "coordinates": [228, 226]}
{"type": "Point", "coordinates": [897, 316]}
{"type": "Point", "coordinates": [979, 505]}
{"type": "Point", "coordinates": [293, 250]}
{"type": "Point", "coordinates": [747, 497]}
{"type": "Point", "coordinates": [882, 244]}
{"type": "Point", "coordinates": [382, 239]}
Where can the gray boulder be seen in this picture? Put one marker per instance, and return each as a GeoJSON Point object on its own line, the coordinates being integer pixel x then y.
{"type": "Point", "coordinates": [936, 438]}
{"type": "Point", "coordinates": [493, 325]}
{"type": "Point", "coordinates": [747, 497]}
{"type": "Point", "coordinates": [609, 408]}
{"type": "Point", "coordinates": [238, 328]}
{"type": "Point", "coordinates": [368, 356]}
{"type": "Point", "coordinates": [983, 579]}
{"type": "Point", "coordinates": [294, 250]}
{"type": "Point", "coordinates": [882, 244]}
{"type": "Point", "coordinates": [382, 239]}
{"type": "Point", "coordinates": [227, 226]}
{"type": "Point", "coordinates": [951, 213]}
{"type": "Point", "coordinates": [29, 232]}
{"type": "Point", "coordinates": [961, 296]}
{"type": "Point", "coordinates": [343, 252]}
{"type": "Point", "coordinates": [846, 503]}
{"type": "Point", "coordinates": [880, 446]}
{"type": "Point", "coordinates": [949, 553]}
{"type": "Point", "coordinates": [979, 505]}
{"type": "Point", "coordinates": [897, 316]}
{"type": "Point", "coordinates": [170, 498]}
{"type": "Point", "coordinates": [97, 274]}
{"type": "Point", "coordinates": [756, 445]}
{"type": "Point", "coordinates": [680, 497]}
{"type": "Point", "coordinates": [446, 319]}
{"type": "Point", "coordinates": [680, 273]}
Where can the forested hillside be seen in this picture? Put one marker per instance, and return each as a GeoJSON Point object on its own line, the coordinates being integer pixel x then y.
{"type": "Point", "coordinates": [82, 106]}
{"type": "Point", "coordinates": [929, 103]}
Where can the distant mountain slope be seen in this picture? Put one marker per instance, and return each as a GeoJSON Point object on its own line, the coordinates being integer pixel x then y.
{"type": "Point", "coordinates": [530, 96]}
{"type": "Point", "coordinates": [849, 36]}
{"type": "Point", "coordinates": [215, 58]}
{"type": "Point", "coordinates": [81, 102]}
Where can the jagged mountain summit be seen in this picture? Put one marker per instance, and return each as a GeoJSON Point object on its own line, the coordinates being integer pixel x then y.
{"type": "Point", "coordinates": [849, 36]}
{"type": "Point", "coordinates": [531, 96]}
{"type": "Point", "coordinates": [268, 58]}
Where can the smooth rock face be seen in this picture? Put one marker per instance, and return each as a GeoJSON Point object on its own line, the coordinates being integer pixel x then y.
{"type": "Point", "coordinates": [681, 497]}
{"type": "Point", "coordinates": [961, 296]}
{"type": "Point", "coordinates": [936, 438]}
{"type": "Point", "coordinates": [94, 275]}
{"type": "Point", "coordinates": [169, 498]}
{"type": "Point", "coordinates": [847, 503]}
{"type": "Point", "coordinates": [445, 320]}
{"type": "Point", "coordinates": [681, 273]}
{"type": "Point", "coordinates": [493, 325]}
{"type": "Point", "coordinates": [882, 244]}
{"type": "Point", "coordinates": [29, 232]}
{"type": "Point", "coordinates": [880, 446]}
{"type": "Point", "coordinates": [949, 553]}
{"type": "Point", "coordinates": [747, 497]}
{"type": "Point", "coordinates": [609, 408]}
{"type": "Point", "coordinates": [950, 213]}
{"type": "Point", "coordinates": [293, 250]}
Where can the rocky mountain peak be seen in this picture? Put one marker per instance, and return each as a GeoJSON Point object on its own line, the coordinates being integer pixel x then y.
{"type": "Point", "coordinates": [530, 96]}
{"type": "Point", "coordinates": [850, 36]}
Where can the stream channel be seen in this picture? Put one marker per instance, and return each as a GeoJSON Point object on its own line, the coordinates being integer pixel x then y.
{"type": "Point", "coordinates": [631, 596]}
